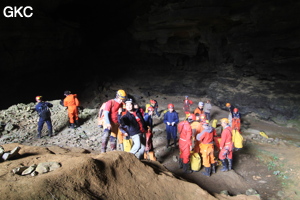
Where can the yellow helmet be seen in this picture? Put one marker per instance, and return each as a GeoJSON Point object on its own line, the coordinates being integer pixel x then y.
{"type": "Point", "coordinates": [224, 120]}
{"type": "Point", "coordinates": [121, 94]}
{"type": "Point", "coordinates": [228, 105]}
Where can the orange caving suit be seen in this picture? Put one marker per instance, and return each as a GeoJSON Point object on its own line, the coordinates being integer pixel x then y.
{"type": "Point", "coordinates": [226, 144]}
{"type": "Point", "coordinates": [72, 102]}
{"type": "Point", "coordinates": [206, 138]}
{"type": "Point", "coordinates": [197, 128]}
{"type": "Point", "coordinates": [198, 111]}
{"type": "Point", "coordinates": [236, 123]}
{"type": "Point", "coordinates": [185, 141]}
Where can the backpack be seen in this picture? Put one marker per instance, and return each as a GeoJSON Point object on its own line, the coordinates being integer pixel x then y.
{"type": "Point", "coordinates": [44, 111]}
{"type": "Point", "coordinates": [237, 140]}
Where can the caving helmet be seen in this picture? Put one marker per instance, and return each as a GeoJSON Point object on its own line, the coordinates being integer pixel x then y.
{"type": "Point", "coordinates": [191, 118]}
{"type": "Point", "coordinates": [235, 110]}
{"type": "Point", "coordinates": [225, 120]}
{"type": "Point", "coordinates": [171, 106]}
{"type": "Point", "coordinates": [121, 94]}
{"type": "Point", "coordinates": [228, 105]}
{"type": "Point", "coordinates": [67, 92]}
{"type": "Point", "coordinates": [38, 98]}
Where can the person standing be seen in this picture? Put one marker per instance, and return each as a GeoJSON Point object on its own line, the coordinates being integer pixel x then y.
{"type": "Point", "coordinates": [206, 138]}
{"type": "Point", "coordinates": [171, 120]}
{"type": "Point", "coordinates": [207, 108]}
{"type": "Point", "coordinates": [148, 118]}
{"type": "Point", "coordinates": [199, 110]}
{"type": "Point", "coordinates": [111, 124]}
{"type": "Point", "coordinates": [185, 143]}
{"type": "Point", "coordinates": [133, 125]}
{"type": "Point", "coordinates": [226, 145]}
{"type": "Point", "coordinates": [154, 104]}
{"type": "Point", "coordinates": [187, 105]}
{"type": "Point", "coordinates": [42, 108]}
{"type": "Point", "coordinates": [236, 120]}
{"type": "Point", "coordinates": [71, 101]}
{"type": "Point", "coordinates": [230, 115]}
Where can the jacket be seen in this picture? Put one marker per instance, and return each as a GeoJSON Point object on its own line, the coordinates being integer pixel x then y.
{"type": "Point", "coordinates": [130, 124]}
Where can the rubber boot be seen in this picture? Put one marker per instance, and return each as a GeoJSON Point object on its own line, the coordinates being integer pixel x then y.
{"type": "Point", "coordinates": [225, 168]}
{"type": "Point", "coordinates": [50, 133]}
{"type": "Point", "coordinates": [180, 163]}
{"type": "Point", "coordinates": [213, 168]}
{"type": "Point", "coordinates": [168, 143]}
{"type": "Point", "coordinates": [77, 123]}
{"type": "Point", "coordinates": [39, 135]}
{"type": "Point", "coordinates": [175, 143]}
{"type": "Point", "coordinates": [229, 164]}
{"type": "Point", "coordinates": [72, 125]}
{"type": "Point", "coordinates": [207, 171]}
{"type": "Point", "coordinates": [187, 168]}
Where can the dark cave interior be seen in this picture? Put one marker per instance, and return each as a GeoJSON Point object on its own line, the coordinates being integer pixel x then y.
{"type": "Point", "coordinates": [66, 45]}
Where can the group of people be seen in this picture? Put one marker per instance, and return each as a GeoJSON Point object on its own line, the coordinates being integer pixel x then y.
{"type": "Point", "coordinates": [42, 107]}
{"type": "Point", "coordinates": [123, 120]}
{"type": "Point", "coordinates": [196, 135]}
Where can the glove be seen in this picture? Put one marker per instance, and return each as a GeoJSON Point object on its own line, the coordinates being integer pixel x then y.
{"type": "Point", "coordinates": [168, 123]}
{"type": "Point", "coordinates": [173, 123]}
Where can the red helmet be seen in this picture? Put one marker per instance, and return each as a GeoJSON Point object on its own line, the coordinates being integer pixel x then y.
{"type": "Point", "coordinates": [235, 110]}
{"type": "Point", "coordinates": [170, 105]}
{"type": "Point", "coordinates": [152, 101]}
{"type": "Point", "coordinates": [192, 117]}
{"type": "Point", "coordinates": [150, 108]}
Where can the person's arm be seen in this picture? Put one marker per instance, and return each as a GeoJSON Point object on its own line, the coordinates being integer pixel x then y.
{"type": "Point", "coordinates": [50, 105]}
{"type": "Point", "coordinates": [106, 117]}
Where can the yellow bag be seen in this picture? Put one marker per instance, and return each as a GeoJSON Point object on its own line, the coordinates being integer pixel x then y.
{"type": "Point", "coordinates": [127, 144]}
{"type": "Point", "coordinates": [195, 161]}
{"type": "Point", "coordinates": [214, 123]}
{"type": "Point", "coordinates": [263, 134]}
{"type": "Point", "coordinates": [147, 106]}
{"type": "Point", "coordinates": [237, 139]}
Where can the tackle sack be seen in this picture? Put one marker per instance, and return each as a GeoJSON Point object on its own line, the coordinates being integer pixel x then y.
{"type": "Point", "coordinates": [127, 144]}
{"type": "Point", "coordinates": [214, 123]}
{"type": "Point", "coordinates": [237, 139]}
{"type": "Point", "coordinates": [195, 161]}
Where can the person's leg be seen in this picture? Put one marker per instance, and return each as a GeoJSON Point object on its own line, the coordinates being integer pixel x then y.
{"type": "Point", "coordinates": [104, 139]}
{"type": "Point", "coordinates": [40, 127]}
{"type": "Point", "coordinates": [136, 144]}
{"type": "Point", "coordinates": [49, 125]}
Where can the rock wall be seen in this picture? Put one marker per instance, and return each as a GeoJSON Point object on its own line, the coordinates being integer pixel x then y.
{"type": "Point", "coordinates": [243, 52]}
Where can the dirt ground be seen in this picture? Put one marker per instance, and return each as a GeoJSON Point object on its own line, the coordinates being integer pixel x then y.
{"type": "Point", "coordinates": [256, 166]}
{"type": "Point", "coordinates": [269, 168]}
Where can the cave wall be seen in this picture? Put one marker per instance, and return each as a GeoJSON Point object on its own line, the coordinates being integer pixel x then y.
{"type": "Point", "coordinates": [243, 52]}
